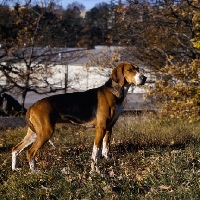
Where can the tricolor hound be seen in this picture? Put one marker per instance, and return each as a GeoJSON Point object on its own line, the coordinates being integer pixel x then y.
{"type": "Point", "coordinates": [99, 107]}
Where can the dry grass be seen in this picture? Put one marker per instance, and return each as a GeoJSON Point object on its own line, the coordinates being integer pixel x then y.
{"type": "Point", "coordinates": [150, 159]}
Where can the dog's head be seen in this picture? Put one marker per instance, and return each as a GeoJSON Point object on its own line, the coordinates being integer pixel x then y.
{"type": "Point", "coordinates": [127, 73]}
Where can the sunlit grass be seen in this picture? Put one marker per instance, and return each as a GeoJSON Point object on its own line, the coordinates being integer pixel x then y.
{"type": "Point", "coordinates": [150, 159]}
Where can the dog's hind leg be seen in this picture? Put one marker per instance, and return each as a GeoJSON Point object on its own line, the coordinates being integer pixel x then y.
{"type": "Point", "coordinates": [27, 141]}
{"type": "Point", "coordinates": [42, 137]}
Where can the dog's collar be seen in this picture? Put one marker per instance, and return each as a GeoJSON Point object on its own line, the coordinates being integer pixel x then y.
{"type": "Point", "coordinates": [115, 89]}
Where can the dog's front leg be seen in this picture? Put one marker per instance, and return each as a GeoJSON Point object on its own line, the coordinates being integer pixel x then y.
{"type": "Point", "coordinates": [106, 144]}
{"type": "Point", "coordinates": [100, 133]}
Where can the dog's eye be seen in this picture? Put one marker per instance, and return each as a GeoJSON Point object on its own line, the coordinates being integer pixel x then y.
{"type": "Point", "coordinates": [130, 70]}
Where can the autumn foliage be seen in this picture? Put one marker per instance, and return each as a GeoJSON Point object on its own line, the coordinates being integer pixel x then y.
{"type": "Point", "coordinates": [178, 92]}
{"type": "Point", "coordinates": [165, 36]}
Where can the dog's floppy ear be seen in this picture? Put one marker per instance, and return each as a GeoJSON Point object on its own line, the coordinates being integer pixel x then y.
{"type": "Point", "coordinates": [118, 75]}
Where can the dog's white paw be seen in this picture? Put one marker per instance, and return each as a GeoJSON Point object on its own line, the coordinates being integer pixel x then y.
{"type": "Point", "coordinates": [17, 169]}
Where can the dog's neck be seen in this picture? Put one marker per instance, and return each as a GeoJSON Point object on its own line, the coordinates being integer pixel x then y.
{"type": "Point", "coordinates": [116, 89]}
{"type": "Point", "coordinates": [126, 87]}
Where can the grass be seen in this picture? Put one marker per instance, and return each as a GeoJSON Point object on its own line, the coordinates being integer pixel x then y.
{"type": "Point", "coordinates": [150, 159]}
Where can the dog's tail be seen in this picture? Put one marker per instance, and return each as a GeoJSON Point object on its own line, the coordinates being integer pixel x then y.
{"type": "Point", "coordinates": [28, 121]}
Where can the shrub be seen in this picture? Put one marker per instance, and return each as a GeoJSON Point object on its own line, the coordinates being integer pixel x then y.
{"type": "Point", "coordinates": [178, 91]}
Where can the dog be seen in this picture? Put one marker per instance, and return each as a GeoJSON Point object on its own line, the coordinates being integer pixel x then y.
{"type": "Point", "coordinates": [99, 107]}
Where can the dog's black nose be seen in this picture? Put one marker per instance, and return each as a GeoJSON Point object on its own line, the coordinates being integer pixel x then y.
{"type": "Point", "coordinates": [144, 78]}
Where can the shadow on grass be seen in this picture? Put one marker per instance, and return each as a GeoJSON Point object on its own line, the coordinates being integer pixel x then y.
{"type": "Point", "coordinates": [129, 147]}
{"type": "Point", "coordinates": [6, 149]}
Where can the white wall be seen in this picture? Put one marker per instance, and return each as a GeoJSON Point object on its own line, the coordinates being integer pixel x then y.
{"type": "Point", "coordinates": [81, 78]}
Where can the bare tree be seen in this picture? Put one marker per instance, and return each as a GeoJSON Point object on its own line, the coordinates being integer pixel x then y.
{"type": "Point", "coordinates": [26, 63]}
{"type": "Point", "coordinates": [156, 32]}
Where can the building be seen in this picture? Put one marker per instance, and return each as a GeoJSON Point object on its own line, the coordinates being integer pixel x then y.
{"type": "Point", "coordinates": [74, 69]}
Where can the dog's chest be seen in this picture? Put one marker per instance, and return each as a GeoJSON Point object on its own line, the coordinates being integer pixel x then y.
{"type": "Point", "coordinates": [118, 110]}
{"type": "Point", "coordinates": [119, 107]}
